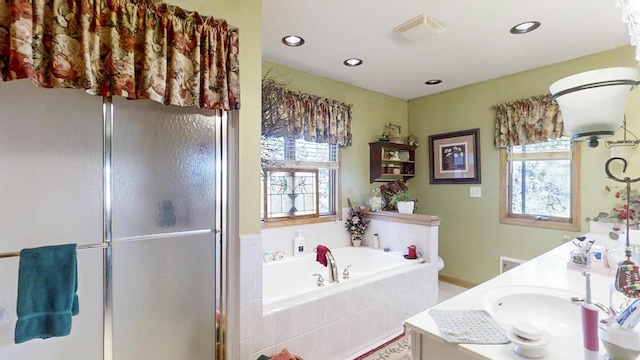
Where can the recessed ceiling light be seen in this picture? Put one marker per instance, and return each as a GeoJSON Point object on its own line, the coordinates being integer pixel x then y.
{"type": "Point", "coordinates": [525, 27]}
{"type": "Point", "coordinates": [433, 82]}
{"type": "Point", "coordinates": [353, 62]}
{"type": "Point", "coordinates": [292, 40]}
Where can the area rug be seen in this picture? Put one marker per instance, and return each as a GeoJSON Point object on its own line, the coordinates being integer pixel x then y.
{"type": "Point", "coordinates": [398, 348]}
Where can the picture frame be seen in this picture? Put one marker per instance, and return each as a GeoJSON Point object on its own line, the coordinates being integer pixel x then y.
{"type": "Point", "coordinates": [454, 158]}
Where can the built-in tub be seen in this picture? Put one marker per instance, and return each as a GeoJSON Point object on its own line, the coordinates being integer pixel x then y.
{"type": "Point", "coordinates": [290, 282]}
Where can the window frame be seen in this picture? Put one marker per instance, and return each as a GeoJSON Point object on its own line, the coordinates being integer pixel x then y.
{"type": "Point", "coordinates": [293, 165]}
{"type": "Point", "coordinates": [558, 223]}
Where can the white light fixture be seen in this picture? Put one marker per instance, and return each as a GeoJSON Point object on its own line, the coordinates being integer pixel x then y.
{"type": "Point", "coordinates": [525, 27]}
{"type": "Point", "coordinates": [593, 102]}
{"type": "Point", "coordinates": [353, 62]}
{"type": "Point", "coordinates": [292, 40]}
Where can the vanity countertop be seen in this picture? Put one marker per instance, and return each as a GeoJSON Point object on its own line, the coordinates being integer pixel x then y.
{"type": "Point", "coordinates": [547, 270]}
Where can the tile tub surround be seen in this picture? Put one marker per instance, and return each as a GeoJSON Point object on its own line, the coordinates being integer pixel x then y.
{"type": "Point", "coordinates": [547, 270]}
{"type": "Point", "coordinates": [290, 282]}
{"type": "Point", "coordinates": [397, 231]}
{"type": "Point", "coordinates": [336, 326]}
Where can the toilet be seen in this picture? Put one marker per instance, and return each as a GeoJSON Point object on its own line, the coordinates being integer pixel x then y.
{"type": "Point", "coordinates": [440, 263]}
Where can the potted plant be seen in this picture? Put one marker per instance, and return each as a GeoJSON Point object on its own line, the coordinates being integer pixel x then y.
{"type": "Point", "coordinates": [356, 224]}
{"type": "Point", "coordinates": [390, 189]}
{"type": "Point", "coordinates": [404, 200]}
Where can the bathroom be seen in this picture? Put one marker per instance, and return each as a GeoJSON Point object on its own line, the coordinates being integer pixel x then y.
{"type": "Point", "coordinates": [471, 251]}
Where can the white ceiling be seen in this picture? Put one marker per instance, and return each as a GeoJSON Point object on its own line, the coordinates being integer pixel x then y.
{"type": "Point", "coordinates": [475, 46]}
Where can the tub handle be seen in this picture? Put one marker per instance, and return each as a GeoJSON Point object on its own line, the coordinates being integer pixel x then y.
{"type": "Point", "coordinates": [345, 273]}
{"type": "Point", "coordinates": [320, 279]}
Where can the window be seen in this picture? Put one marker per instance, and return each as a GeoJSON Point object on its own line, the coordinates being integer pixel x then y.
{"type": "Point", "coordinates": [539, 185]}
{"type": "Point", "coordinates": [299, 180]}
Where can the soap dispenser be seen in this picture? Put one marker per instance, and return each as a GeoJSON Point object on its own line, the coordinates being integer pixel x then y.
{"type": "Point", "coordinates": [298, 244]}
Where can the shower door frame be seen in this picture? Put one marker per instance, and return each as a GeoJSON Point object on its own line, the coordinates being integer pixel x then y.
{"type": "Point", "coordinates": [226, 226]}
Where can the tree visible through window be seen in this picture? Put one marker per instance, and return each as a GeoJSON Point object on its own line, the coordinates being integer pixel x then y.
{"type": "Point", "coordinates": [539, 185]}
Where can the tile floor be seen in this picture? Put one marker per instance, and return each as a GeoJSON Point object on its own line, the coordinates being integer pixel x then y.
{"type": "Point", "coordinates": [446, 290]}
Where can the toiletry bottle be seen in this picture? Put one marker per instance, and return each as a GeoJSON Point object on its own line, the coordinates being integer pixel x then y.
{"type": "Point", "coordinates": [298, 244]}
{"type": "Point", "coordinates": [589, 321]}
{"type": "Point", "coordinates": [376, 242]}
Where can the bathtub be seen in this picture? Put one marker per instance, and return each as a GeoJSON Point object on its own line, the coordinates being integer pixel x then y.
{"type": "Point", "coordinates": [290, 282]}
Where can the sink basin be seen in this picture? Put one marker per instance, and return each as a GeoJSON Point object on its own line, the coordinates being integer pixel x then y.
{"type": "Point", "coordinates": [547, 309]}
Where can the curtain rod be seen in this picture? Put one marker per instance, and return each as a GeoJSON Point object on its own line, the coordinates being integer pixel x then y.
{"type": "Point", "coordinates": [80, 247]}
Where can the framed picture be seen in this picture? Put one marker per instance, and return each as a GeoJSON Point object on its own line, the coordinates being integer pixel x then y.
{"type": "Point", "coordinates": [455, 157]}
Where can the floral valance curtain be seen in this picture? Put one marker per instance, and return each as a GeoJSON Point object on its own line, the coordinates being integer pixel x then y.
{"type": "Point", "coordinates": [303, 116]}
{"type": "Point", "coordinates": [528, 121]}
{"type": "Point", "coordinates": [134, 49]}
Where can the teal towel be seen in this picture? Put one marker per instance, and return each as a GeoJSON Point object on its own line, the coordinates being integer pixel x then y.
{"type": "Point", "coordinates": [47, 286]}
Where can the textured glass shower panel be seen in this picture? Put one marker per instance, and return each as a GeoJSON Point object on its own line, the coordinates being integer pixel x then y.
{"type": "Point", "coordinates": [85, 340]}
{"type": "Point", "coordinates": [163, 159]}
{"type": "Point", "coordinates": [50, 166]}
{"type": "Point", "coordinates": [164, 298]}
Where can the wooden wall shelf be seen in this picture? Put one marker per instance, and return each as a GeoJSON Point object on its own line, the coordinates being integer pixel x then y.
{"type": "Point", "coordinates": [390, 161]}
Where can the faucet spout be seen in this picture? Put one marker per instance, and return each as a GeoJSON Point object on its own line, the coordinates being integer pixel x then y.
{"type": "Point", "coordinates": [333, 268]}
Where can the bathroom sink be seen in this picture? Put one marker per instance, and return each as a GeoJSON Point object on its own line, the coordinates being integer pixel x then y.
{"type": "Point", "coordinates": [546, 308]}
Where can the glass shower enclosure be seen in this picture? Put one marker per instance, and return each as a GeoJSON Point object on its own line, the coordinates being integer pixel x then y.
{"type": "Point", "coordinates": [141, 178]}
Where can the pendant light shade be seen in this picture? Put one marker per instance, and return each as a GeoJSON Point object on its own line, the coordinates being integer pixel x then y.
{"type": "Point", "coordinates": [593, 102]}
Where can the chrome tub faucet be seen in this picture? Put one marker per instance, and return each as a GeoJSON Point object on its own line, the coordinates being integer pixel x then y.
{"type": "Point", "coordinates": [333, 268]}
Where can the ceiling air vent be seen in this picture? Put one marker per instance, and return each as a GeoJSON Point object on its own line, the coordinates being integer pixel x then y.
{"type": "Point", "coordinates": [420, 28]}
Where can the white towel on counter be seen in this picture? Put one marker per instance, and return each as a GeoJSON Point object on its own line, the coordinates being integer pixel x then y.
{"type": "Point", "coordinates": [469, 327]}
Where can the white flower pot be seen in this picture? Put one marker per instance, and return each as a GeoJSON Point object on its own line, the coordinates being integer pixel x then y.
{"type": "Point", "coordinates": [405, 207]}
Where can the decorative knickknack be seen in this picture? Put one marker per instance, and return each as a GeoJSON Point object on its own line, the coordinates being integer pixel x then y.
{"type": "Point", "coordinates": [376, 202]}
{"type": "Point", "coordinates": [356, 224]}
{"type": "Point", "coordinates": [396, 138]}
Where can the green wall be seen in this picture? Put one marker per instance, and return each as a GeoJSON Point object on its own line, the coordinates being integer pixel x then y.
{"type": "Point", "coordinates": [471, 237]}
{"type": "Point", "coordinates": [371, 111]}
{"type": "Point", "coordinates": [247, 16]}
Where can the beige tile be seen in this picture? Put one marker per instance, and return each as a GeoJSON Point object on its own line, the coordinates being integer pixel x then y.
{"type": "Point", "coordinates": [447, 291]}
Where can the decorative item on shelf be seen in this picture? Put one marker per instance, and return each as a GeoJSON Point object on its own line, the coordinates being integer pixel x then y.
{"type": "Point", "coordinates": [396, 138]}
{"type": "Point", "coordinates": [356, 224]}
{"type": "Point", "coordinates": [407, 169]}
{"type": "Point", "coordinates": [391, 155]}
{"type": "Point", "coordinates": [412, 140]}
{"type": "Point", "coordinates": [384, 137]}
{"type": "Point", "coordinates": [376, 202]}
{"type": "Point", "coordinates": [404, 201]}
{"type": "Point", "coordinates": [390, 189]}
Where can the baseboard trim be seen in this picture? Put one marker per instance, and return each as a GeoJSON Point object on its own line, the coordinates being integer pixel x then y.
{"type": "Point", "coordinates": [456, 281]}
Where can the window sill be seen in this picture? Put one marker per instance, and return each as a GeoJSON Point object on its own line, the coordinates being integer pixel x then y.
{"type": "Point", "coordinates": [547, 224]}
{"type": "Point", "coordinates": [292, 222]}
